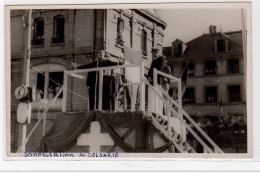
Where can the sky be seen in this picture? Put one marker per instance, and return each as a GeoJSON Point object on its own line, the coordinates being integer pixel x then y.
{"type": "Point", "coordinates": [187, 24]}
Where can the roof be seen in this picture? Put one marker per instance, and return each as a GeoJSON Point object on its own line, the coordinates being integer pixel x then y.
{"type": "Point", "coordinates": [153, 16]}
{"type": "Point", "coordinates": [206, 43]}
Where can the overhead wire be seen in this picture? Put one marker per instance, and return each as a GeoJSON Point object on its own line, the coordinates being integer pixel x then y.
{"type": "Point", "coordinates": [58, 83]}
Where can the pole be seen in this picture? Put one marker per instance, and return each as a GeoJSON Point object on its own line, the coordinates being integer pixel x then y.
{"type": "Point", "coordinates": [26, 74]}
{"type": "Point", "coordinates": [243, 17]}
{"type": "Point", "coordinates": [155, 83]}
{"type": "Point", "coordinates": [142, 87]}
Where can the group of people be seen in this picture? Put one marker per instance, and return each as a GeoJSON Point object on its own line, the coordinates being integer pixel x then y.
{"type": "Point", "coordinates": [112, 82]}
{"type": "Point", "coordinates": [51, 92]}
{"type": "Point", "coordinates": [160, 63]}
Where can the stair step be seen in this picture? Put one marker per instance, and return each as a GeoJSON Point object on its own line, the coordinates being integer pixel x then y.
{"type": "Point", "coordinates": [181, 142]}
{"type": "Point", "coordinates": [163, 122]}
{"type": "Point", "coordinates": [188, 149]}
{"type": "Point", "coordinates": [165, 127]}
{"type": "Point", "coordinates": [176, 137]}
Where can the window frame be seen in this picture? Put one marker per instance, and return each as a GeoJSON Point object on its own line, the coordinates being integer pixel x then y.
{"type": "Point", "coordinates": [181, 49]}
{"type": "Point", "coordinates": [119, 22]}
{"type": "Point", "coordinates": [35, 40]}
{"type": "Point", "coordinates": [205, 67]}
{"type": "Point", "coordinates": [232, 59]}
{"type": "Point", "coordinates": [144, 42]}
{"type": "Point", "coordinates": [194, 96]}
{"type": "Point", "coordinates": [240, 96]}
{"type": "Point", "coordinates": [224, 45]}
{"type": "Point", "coordinates": [217, 93]}
{"type": "Point", "coordinates": [54, 41]}
{"type": "Point", "coordinates": [46, 69]}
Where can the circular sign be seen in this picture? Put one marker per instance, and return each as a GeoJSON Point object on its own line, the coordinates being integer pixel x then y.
{"type": "Point", "coordinates": [21, 92]}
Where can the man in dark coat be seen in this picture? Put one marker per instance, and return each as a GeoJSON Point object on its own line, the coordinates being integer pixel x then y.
{"type": "Point", "coordinates": [165, 81]}
{"type": "Point", "coordinates": [92, 82]}
{"type": "Point", "coordinates": [157, 63]}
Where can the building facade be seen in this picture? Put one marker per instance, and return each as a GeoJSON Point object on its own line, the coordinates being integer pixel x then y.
{"type": "Point", "coordinates": [215, 93]}
{"type": "Point", "coordinates": [63, 39]}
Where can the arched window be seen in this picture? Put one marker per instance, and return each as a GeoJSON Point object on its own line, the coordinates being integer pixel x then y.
{"type": "Point", "coordinates": [38, 31]}
{"type": "Point", "coordinates": [144, 42]}
{"type": "Point", "coordinates": [120, 31]}
{"type": "Point", "coordinates": [120, 25]}
{"type": "Point", "coordinates": [58, 29]}
{"type": "Point", "coordinates": [47, 78]}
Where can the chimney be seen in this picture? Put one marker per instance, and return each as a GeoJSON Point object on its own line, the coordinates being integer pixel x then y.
{"type": "Point", "coordinates": [214, 29]}
{"type": "Point", "coordinates": [211, 29]}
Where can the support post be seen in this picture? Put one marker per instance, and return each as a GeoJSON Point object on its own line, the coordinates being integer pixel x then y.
{"type": "Point", "coordinates": [100, 90]}
{"type": "Point", "coordinates": [65, 85]}
{"type": "Point", "coordinates": [26, 75]}
{"type": "Point", "coordinates": [24, 136]}
{"type": "Point", "coordinates": [169, 125]}
{"type": "Point", "coordinates": [183, 132]}
{"type": "Point", "coordinates": [43, 125]}
{"type": "Point", "coordinates": [155, 83]}
{"type": "Point", "coordinates": [142, 88]}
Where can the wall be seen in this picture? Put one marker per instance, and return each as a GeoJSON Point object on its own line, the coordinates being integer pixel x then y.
{"type": "Point", "coordinates": [78, 47]}
{"type": "Point", "coordinates": [134, 22]}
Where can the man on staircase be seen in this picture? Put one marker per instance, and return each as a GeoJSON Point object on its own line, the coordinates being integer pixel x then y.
{"type": "Point", "coordinates": [165, 82]}
{"type": "Point", "coordinates": [156, 63]}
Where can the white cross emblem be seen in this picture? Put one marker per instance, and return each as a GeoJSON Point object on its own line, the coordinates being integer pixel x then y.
{"type": "Point", "coordinates": [94, 139]}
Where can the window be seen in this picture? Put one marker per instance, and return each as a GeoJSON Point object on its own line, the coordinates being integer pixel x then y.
{"type": "Point", "coordinates": [120, 25]}
{"type": "Point", "coordinates": [234, 93]}
{"type": "Point", "coordinates": [210, 68]}
{"type": "Point", "coordinates": [144, 42]}
{"type": "Point", "coordinates": [56, 82]}
{"type": "Point", "coordinates": [40, 84]}
{"type": "Point", "coordinates": [190, 68]}
{"type": "Point", "coordinates": [211, 94]}
{"type": "Point", "coordinates": [220, 45]}
{"type": "Point", "coordinates": [58, 32]}
{"type": "Point", "coordinates": [47, 78]}
{"type": "Point", "coordinates": [38, 32]}
{"type": "Point", "coordinates": [120, 31]}
{"type": "Point", "coordinates": [179, 49]}
{"type": "Point", "coordinates": [233, 66]}
{"type": "Point", "coordinates": [189, 96]}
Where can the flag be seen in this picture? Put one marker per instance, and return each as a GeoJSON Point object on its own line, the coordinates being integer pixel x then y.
{"type": "Point", "coordinates": [184, 78]}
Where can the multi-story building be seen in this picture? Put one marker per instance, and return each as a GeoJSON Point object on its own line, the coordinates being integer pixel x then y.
{"type": "Point", "coordinates": [62, 39]}
{"type": "Point", "coordinates": [215, 93]}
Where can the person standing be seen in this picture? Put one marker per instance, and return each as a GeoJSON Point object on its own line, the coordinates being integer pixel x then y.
{"type": "Point", "coordinates": [165, 82]}
{"type": "Point", "coordinates": [165, 69]}
{"type": "Point", "coordinates": [156, 63]}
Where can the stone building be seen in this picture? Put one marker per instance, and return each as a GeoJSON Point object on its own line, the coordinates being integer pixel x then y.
{"type": "Point", "coordinates": [215, 93]}
{"type": "Point", "coordinates": [63, 39]}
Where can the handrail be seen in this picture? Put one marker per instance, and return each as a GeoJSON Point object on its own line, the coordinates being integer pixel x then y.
{"type": "Point", "coordinates": [41, 117]}
{"type": "Point", "coordinates": [178, 116]}
{"type": "Point", "coordinates": [104, 68]}
{"type": "Point", "coordinates": [167, 75]}
{"type": "Point", "coordinates": [216, 148]}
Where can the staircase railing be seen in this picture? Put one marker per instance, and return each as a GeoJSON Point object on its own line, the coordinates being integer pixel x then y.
{"type": "Point", "coordinates": [100, 70]}
{"type": "Point", "coordinates": [181, 112]}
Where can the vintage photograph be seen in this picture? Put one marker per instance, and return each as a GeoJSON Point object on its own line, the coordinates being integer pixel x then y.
{"type": "Point", "coordinates": [98, 82]}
